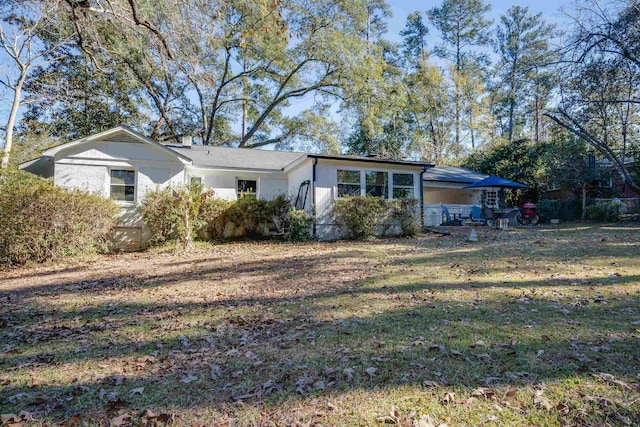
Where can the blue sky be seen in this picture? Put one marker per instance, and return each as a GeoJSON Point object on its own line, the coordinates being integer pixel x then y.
{"type": "Point", "coordinates": [550, 10]}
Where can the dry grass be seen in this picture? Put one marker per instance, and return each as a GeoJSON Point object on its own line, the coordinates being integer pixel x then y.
{"type": "Point", "coordinates": [532, 326]}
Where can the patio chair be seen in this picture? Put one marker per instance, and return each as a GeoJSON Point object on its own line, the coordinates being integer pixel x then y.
{"type": "Point", "coordinates": [449, 221]}
{"type": "Point", "coordinates": [476, 215]}
{"type": "Point", "coordinates": [488, 215]}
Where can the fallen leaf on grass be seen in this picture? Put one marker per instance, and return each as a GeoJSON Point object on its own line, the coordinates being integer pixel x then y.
{"type": "Point", "coordinates": [485, 357]}
{"type": "Point", "coordinates": [624, 420]}
{"type": "Point", "coordinates": [430, 384]}
{"type": "Point", "coordinates": [371, 371]}
{"type": "Point", "coordinates": [439, 348]}
{"type": "Point", "coordinates": [612, 380]}
{"type": "Point", "coordinates": [563, 408]}
{"type": "Point", "coordinates": [114, 406]}
{"type": "Point", "coordinates": [487, 393]}
{"type": "Point", "coordinates": [10, 419]}
{"type": "Point", "coordinates": [121, 420]}
{"type": "Point", "coordinates": [348, 374]}
{"type": "Point", "coordinates": [117, 379]}
{"type": "Point", "coordinates": [542, 402]}
{"type": "Point", "coordinates": [188, 379]}
{"type": "Point", "coordinates": [150, 419]}
{"type": "Point", "coordinates": [395, 417]}
{"type": "Point", "coordinates": [448, 398]}
{"type": "Point", "coordinates": [135, 391]}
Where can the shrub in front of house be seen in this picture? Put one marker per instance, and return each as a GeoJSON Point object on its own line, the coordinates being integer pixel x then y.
{"type": "Point", "coordinates": [405, 213]}
{"type": "Point", "coordinates": [175, 213]}
{"type": "Point", "coordinates": [42, 222]}
{"type": "Point", "coordinates": [608, 212]}
{"type": "Point", "coordinates": [362, 218]}
{"type": "Point", "coordinates": [183, 213]}
{"type": "Point", "coordinates": [249, 217]}
{"type": "Point", "coordinates": [301, 228]}
{"type": "Point", "coordinates": [359, 217]}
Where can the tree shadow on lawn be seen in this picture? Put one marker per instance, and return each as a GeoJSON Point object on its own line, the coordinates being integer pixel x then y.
{"type": "Point", "coordinates": [316, 268]}
{"type": "Point", "coordinates": [285, 328]}
{"type": "Point", "coordinates": [280, 351]}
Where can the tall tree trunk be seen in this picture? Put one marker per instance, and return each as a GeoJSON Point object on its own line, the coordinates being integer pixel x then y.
{"type": "Point", "coordinates": [457, 84]}
{"type": "Point", "coordinates": [512, 100]}
{"type": "Point", "coordinates": [8, 137]}
{"type": "Point", "coordinates": [473, 139]}
{"type": "Point", "coordinates": [584, 200]}
{"type": "Point", "coordinates": [537, 119]}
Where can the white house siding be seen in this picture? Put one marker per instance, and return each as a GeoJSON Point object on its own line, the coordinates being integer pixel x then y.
{"type": "Point", "coordinates": [326, 190]}
{"type": "Point", "coordinates": [87, 167]}
{"type": "Point", "coordinates": [299, 174]}
{"type": "Point", "coordinates": [270, 188]}
{"type": "Point", "coordinates": [91, 178]}
{"type": "Point", "coordinates": [224, 183]}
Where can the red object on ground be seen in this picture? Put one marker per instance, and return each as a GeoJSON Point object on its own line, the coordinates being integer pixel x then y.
{"type": "Point", "coordinates": [529, 211]}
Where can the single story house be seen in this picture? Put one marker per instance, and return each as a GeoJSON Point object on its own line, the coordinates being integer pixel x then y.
{"type": "Point", "coordinates": [123, 164]}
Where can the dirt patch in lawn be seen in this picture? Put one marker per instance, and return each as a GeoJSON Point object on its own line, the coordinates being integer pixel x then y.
{"type": "Point", "coordinates": [531, 326]}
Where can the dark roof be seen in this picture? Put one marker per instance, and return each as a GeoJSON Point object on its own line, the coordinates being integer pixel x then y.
{"type": "Point", "coordinates": [369, 159]}
{"type": "Point", "coordinates": [452, 174]}
{"type": "Point", "coordinates": [251, 158]}
{"type": "Point", "coordinates": [496, 181]}
{"type": "Point", "coordinates": [237, 158]}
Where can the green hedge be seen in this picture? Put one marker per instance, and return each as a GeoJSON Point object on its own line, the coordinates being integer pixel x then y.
{"type": "Point", "coordinates": [362, 218]}
{"type": "Point", "coordinates": [41, 222]}
{"type": "Point", "coordinates": [565, 210]}
{"type": "Point", "coordinates": [608, 212]}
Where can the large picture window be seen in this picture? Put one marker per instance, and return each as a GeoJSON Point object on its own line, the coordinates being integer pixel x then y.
{"type": "Point", "coordinates": [348, 183]}
{"type": "Point", "coordinates": [247, 188]}
{"type": "Point", "coordinates": [123, 185]}
{"type": "Point", "coordinates": [377, 184]}
{"type": "Point", "coordinates": [403, 186]}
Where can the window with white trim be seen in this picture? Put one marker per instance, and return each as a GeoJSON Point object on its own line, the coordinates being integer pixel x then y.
{"type": "Point", "coordinates": [247, 188]}
{"type": "Point", "coordinates": [195, 180]}
{"type": "Point", "coordinates": [403, 186]}
{"type": "Point", "coordinates": [377, 184]}
{"type": "Point", "coordinates": [122, 185]}
{"type": "Point", "coordinates": [348, 183]}
{"type": "Point", "coordinates": [492, 198]}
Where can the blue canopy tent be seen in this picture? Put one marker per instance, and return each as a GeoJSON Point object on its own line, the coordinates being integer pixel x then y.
{"type": "Point", "coordinates": [496, 182]}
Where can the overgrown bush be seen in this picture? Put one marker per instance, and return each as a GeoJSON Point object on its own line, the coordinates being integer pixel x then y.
{"type": "Point", "coordinates": [608, 212]}
{"type": "Point", "coordinates": [301, 227]}
{"type": "Point", "coordinates": [252, 218]}
{"type": "Point", "coordinates": [565, 210]}
{"type": "Point", "coordinates": [358, 217]}
{"type": "Point", "coordinates": [406, 213]}
{"type": "Point", "coordinates": [41, 222]}
{"type": "Point", "coordinates": [176, 213]}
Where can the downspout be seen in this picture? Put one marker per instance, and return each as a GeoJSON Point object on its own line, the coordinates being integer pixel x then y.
{"type": "Point", "coordinates": [424, 169]}
{"type": "Point", "coordinates": [313, 196]}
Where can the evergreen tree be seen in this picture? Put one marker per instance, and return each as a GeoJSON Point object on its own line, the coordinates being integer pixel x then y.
{"type": "Point", "coordinates": [523, 47]}
{"type": "Point", "coordinates": [462, 25]}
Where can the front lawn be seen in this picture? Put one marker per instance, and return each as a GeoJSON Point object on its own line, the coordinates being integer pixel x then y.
{"type": "Point", "coordinates": [531, 326]}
